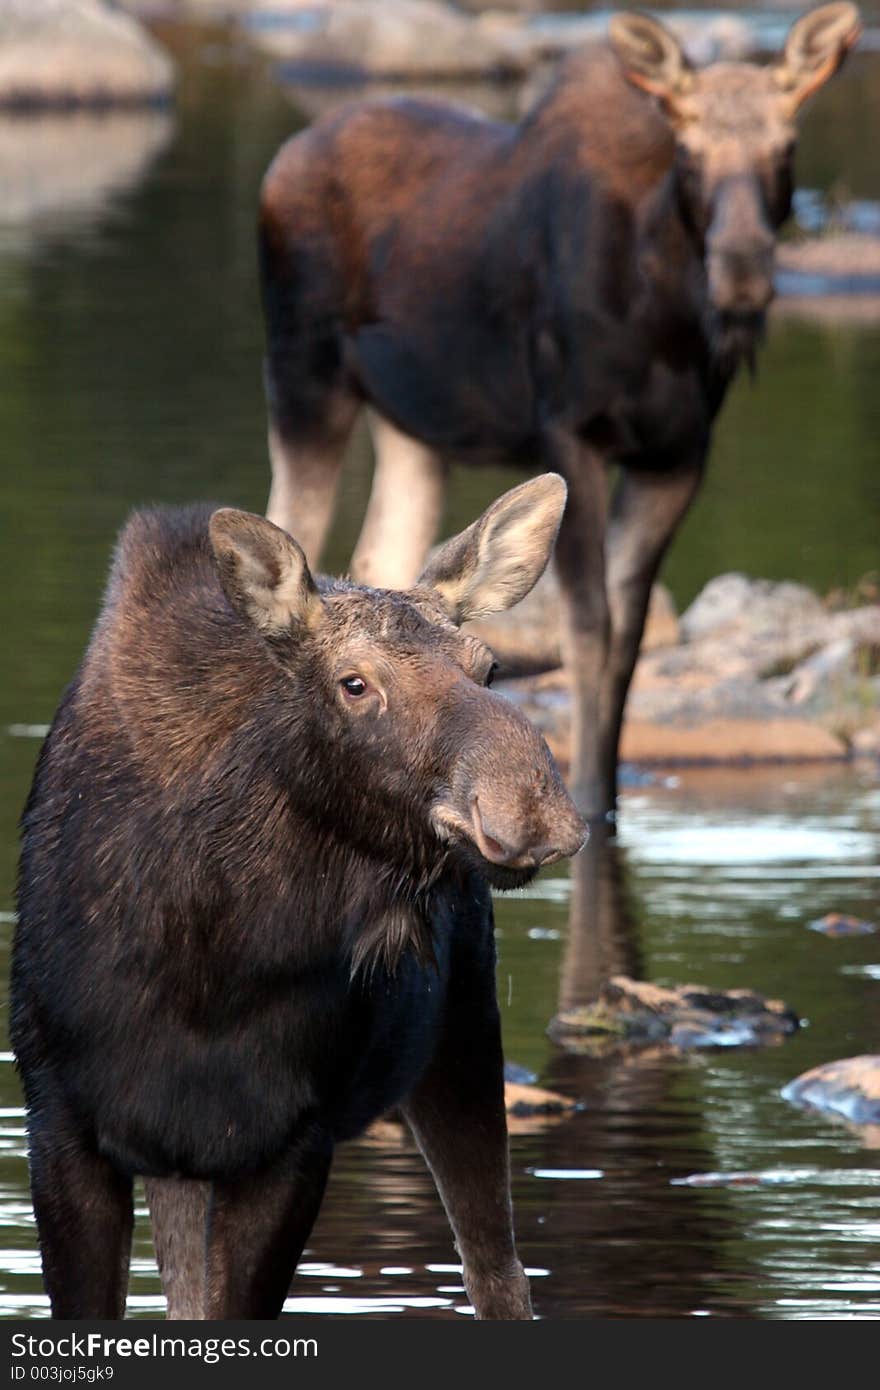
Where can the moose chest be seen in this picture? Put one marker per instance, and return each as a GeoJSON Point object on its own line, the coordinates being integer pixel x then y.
{"type": "Point", "coordinates": [173, 1093]}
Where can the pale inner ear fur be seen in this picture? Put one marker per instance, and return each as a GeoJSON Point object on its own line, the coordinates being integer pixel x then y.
{"type": "Point", "coordinates": [816, 46]}
{"type": "Point", "coordinates": [496, 561]}
{"type": "Point", "coordinates": [263, 572]}
{"type": "Point", "coordinates": [651, 56]}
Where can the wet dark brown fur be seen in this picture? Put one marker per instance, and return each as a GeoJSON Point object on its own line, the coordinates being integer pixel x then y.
{"type": "Point", "coordinates": [576, 290]}
{"type": "Point", "coordinates": [254, 908]}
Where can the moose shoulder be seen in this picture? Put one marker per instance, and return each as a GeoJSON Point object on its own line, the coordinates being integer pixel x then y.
{"type": "Point", "coordinates": [254, 909]}
{"type": "Point", "coordinates": [577, 290]}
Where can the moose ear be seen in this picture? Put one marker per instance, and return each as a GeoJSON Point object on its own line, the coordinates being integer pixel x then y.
{"type": "Point", "coordinates": [651, 57]}
{"type": "Point", "coordinates": [495, 562]}
{"type": "Point", "coordinates": [816, 46]}
{"type": "Point", "coordinates": [263, 572]}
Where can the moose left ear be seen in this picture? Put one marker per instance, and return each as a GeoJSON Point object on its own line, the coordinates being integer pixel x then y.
{"type": "Point", "coordinates": [651, 56]}
{"type": "Point", "coordinates": [816, 46]}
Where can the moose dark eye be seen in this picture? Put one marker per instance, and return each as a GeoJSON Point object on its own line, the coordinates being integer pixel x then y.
{"type": "Point", "coordinates": [354, 686]}
{"type": "Point", "coordinates": [493, 671]}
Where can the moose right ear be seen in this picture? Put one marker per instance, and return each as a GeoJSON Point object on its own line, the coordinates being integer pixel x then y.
{"type": "Point", "coordinates": [496, 561]}
{"type": "Point", "coordinates": [263, 572]}
{"type": "Point", "coordinates": [816, 46]}
{"type": "Point", "coordinates": [651, 57]}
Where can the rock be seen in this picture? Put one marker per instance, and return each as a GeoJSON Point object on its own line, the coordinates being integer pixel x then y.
{"type": "Point", "coordinates": [403, 39]}
{"type": "Point", "coordinates": [829, 666]}
{"type": "Point", "coordinates": [63, 170]}
{"type": "Point", "coordinates": [679, 719]}
{"type": "Point", "coordinates": [635, 1012]}
{"type": "Point", "coordinates": [833, 309]}
{"type": "Point", "coordinates": [865, 743]}
{"type": "Point", "coordinates": [765, 672]}
{"type": "Point", "coordinates": [731, 603]}
{"type": "Point", "coordinates": [526, 1102]}
{"type": "Point", "coordinates": [521, 1076]}
{"type": "Point", "coordinates": [741, 741]}
{"type": "Point", "coordinates": [527, 639]}
{"type": "Point", "coordinates": [836, 257]}
{"type": "Point", "coordinates": [77, 53]}
{"type": "Point", "coordinates": [529, 1109]}
{"type": "Point", "coordinates": [838, 924]}
{"type": "Point", "coordinates": [849, 1088]}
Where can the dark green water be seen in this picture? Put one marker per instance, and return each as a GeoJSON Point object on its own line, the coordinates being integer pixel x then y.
{"type": "Point", "coordinates": [130, 372]}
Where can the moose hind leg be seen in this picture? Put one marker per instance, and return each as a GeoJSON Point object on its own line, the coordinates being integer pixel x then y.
{"type": "Point", "coordinates": [404, 511]}
{"type": "Point", "coordinates": [85, 1214]}
{"type": "Point", "coordinates": [257, 1228]}
{"type": "Point", "coordinates": [179, 1216]}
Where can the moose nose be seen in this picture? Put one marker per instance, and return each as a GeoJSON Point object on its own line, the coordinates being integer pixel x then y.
{"type": "Point", "coordinates": [741, 276]}
{"type": "Point", "coordinates": [501, 844]}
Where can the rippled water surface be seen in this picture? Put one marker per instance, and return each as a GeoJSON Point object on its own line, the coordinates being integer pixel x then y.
{"type": "Point", "coordinates": [684, 1184]}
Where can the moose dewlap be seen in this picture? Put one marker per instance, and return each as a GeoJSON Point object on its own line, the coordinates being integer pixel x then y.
{"type": "Point", "coordinates": [255, 907]}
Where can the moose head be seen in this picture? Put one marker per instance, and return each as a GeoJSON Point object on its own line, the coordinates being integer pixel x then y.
{"type": "Point", "coordinates": [735, 126]}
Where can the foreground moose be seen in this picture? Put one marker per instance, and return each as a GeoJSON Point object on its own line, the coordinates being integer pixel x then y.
{"type": "Point", "coordinates": [254, 907]}
{"type": "Point", "coordinates": [578, 291]}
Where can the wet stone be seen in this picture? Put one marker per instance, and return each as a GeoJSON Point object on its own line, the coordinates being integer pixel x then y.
{"type": "Point", "coordinates": [849, 1088]}
{"type": "Point", "coordinates": [519, 1075]}
{"type": "Point", "coordinates": [631, 1012]}
{"type": "Point", "coordinates": [525, 1102]}
{"type": "Point", "coordinates": [839, 924]}
{"type": "Point", "coordinates": [72, 53]}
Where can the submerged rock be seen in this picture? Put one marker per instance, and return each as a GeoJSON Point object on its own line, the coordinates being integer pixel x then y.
{"type": "Point", "coordinates": [528, 1102]}
{"type": "Point", "coordinates": [529, 1109]}
{"type": "Point", "coordinates": [849, 1088]}
{"type": "Point", "coordinates": [838, 924]}
{"type": "Point", "coordinates": [78, 53]}
{"type": "Point", "coordinates": [635, 1012]}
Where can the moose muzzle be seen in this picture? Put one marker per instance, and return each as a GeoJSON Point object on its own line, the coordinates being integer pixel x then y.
{"type": "Point", "coordinates": [505, 797]}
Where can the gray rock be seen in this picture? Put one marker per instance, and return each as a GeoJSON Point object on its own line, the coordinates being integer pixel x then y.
{"type": "Point", "coordinates": [60, 172]}
{"type": "Point", "coordinates": [732, 603]}
{"type": "Point", "coordinates": [405, 39]}
{"type": "Point", "coordinates": [635, 1012]}
{"type": "Point", "coordinates": [849, 1088]}
{"type": "Point", "coordinates": [78, 53]}
{"type": "Point", "coordinates": [836, 924]}
{"type": "Point", "coordinates": [527, 639]}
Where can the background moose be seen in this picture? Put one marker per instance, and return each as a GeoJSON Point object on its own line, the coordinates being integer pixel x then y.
{"type": "Point", "coordinates": [575, 291]}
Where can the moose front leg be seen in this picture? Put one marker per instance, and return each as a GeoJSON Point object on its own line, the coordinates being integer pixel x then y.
{"type": "Point", "coordinates": [179, 1217]}
{"type": "Point", "coordinates": [458, 1118]}
{"type": "Point", "coordinates": [646, 510]}
{"type": "Point", "coordinates": [580, 566]}
{"type": "Point", "coordinates": [256, 1230]}
{"type": "Point", "coordinates": [85, 1214]}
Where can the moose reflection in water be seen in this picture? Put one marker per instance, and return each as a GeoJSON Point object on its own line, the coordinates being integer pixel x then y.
{"type": "Point", "coordinates": [577, 290]}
